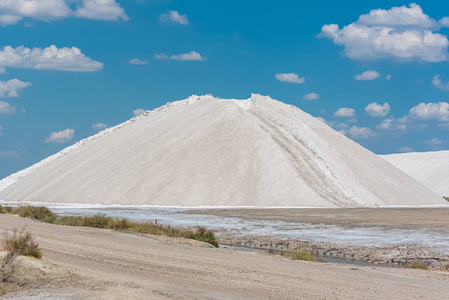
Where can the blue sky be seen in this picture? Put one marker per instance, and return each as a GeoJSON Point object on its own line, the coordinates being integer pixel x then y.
{"type": "Point", "coordinates": [381, 52]}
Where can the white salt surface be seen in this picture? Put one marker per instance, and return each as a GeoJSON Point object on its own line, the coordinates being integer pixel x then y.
{"type": "Point", "coordinates": [204, 151]}
{"type": "Point", "coordinates": [430, 168]}
{"type": "Point", "coordinates": [368, 236]}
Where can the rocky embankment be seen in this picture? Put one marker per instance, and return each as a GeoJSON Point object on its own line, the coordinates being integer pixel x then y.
{"type": "Point", "coordinates": [395, 255]}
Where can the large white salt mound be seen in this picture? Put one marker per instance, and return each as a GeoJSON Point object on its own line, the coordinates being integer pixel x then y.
{"type": "Point", "coordinates": [204, 151]}
{"type": "Point", "coordinates": [430, 168]}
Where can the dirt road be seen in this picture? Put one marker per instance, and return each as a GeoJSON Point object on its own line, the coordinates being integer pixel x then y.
{"type": "Point", "coordinates": [114, 265]}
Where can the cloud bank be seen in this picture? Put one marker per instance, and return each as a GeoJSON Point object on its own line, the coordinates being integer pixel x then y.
{"type": "Point", "coordinates": [377, 110]}
{"type": "Point", "coordinates": [368, 75]}
{"type": "Point", "coordinates": [345, 112]}
{"type": "Point", "coordinates": [6, 108]}
{"type": "Point", "coordinates": [12, 87]}
{"type": "Point", "coordinates": [290, 77]}
{"type": "Point", "coordinates": [174, 17]}
{"type": "Point", "coordinates": [311, 96]}
{"type": "Point", "coordinates": [138, 112]}
{"type": "Point", "coordinates": [403, 33]}
{"type": "Point", "coordinates": [50, 58]}
{"type": "Point", "coordinates": [439, 84]}
{"type": "Point", "coordinates": [100, 126]}
{"type": "Point", "coordinates": [192, 55]}
{"type": "Point", "coordinates": [430, 112]}
{"type": "Point", "coordinates": [13, 11]}
{"type": "Point", "coordinates": [136, 61]}
{"type": "Point", "coordinates": [61, 136]}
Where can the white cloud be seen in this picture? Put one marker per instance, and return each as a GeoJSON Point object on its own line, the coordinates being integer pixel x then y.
{"type": "Point", "coordinates": [403, 119]}
{"type": "Point", "coordinates": [322, 120]}
{"type": "Point", "coordinates": [290, 77]}
{"type": "Point", "coordinates": [136, 61]}
{"type": "Point", "coordinates": [434, 142]}
{"type": "Point", "coordinates": [430, 111]}
{"type": "Point", "coordinates": [411, 17]}
{"type": "Point", "coordinates": [402, 32]}
{"type": "Point", "coordinates": [9, 154]}
{"type": "Point", "coordinates": [175, 17]}
{"type": "Point", "coordinates": [444, 22]}
{"type": "Point", "coordinates": [192, 55]}
{"type": "Point", "coordinates": [377, 110]}
{"type": "Point", "coordinates": [50, 58]}
{"type": "Point", "coordinates": [45, 10]}
{"type": "Point", "coordinates": [344, 112]}
{"type": "Point", "coordinates": [439, 84]}
{"type": "Point", "coordinates": [368, 75]}
{"type": "Point", "coordinates": [11, 87]}
{"type": "Point", "coordinates": [406, 149]}
{"type": "Point", "coordinates": [61, 136]}
{"type": "Point", "coordinates": [107, 10]}
{"type": "Point", "coordinates": [161, 56]}
{"type": "Point", "coordinates": [388, 77]}
{"type": "Point", "coordinates": [6, 20]}
{"type": "Point", "coordinates": [342, 126]}
{"type": "Point", "coordinates": [138, 112]}
{"type": "Point", "coordinates": [13, 11]}
{"type": "Point", "coordinates": [6, 108]}
{"type": "Point", "coordinates": [100, 126]}
{"type": "Point", "coordinates": [360, 132]}
{"type": "Point", "coordinates": [392, 124]}
{"type": "Point", "coordinates": [311, 96]}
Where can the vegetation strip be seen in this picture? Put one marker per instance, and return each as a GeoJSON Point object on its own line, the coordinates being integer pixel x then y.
{"type": "Point", "coordinates": [44, 214]}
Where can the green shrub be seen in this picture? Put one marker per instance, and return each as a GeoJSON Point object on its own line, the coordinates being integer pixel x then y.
{"type": "Point", "coordinates": [97, 221]}
{"type": "Point", "coordinates": [120, 224]}
{"type": "Point", "coordinates": [204, 235]}
{"type": "Point", "coordinates": [69, 221]}
{"type": "Point", "coordinates": [39, 213]}
{"type": "Point", "coordinates": [299, 255]}
{"type": "Point", "coordinates": [22, 243]}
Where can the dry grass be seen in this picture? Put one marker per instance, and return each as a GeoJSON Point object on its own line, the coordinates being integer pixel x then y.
{"type": "Point", "coordinates": [416, 265]}
{"type": "Point", "coordinates": [102, 221]}
{"type": "Point", "coordinates": [21, 243]}
{"type": "Point", "coordinates": [271, 251]}
{"type": "Point", "coordinates": [5, 209]}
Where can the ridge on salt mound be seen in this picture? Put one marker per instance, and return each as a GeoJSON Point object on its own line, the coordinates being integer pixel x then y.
{"type": "Point", "coordinates": [205, 151]}
{"type": "Point", "coordinates": [430, 168]}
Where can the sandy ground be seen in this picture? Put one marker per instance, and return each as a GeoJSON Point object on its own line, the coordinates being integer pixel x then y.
{"type": "Point", "coordinates": [111, 265]}
{"type": "Point", "coordinates": [436, 217]}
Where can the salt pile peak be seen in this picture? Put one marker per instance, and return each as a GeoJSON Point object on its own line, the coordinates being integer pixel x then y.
{"type": "Point", "coordinates": [205, 151]}
{"type": "Point", "coordinates": [430, 168]}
